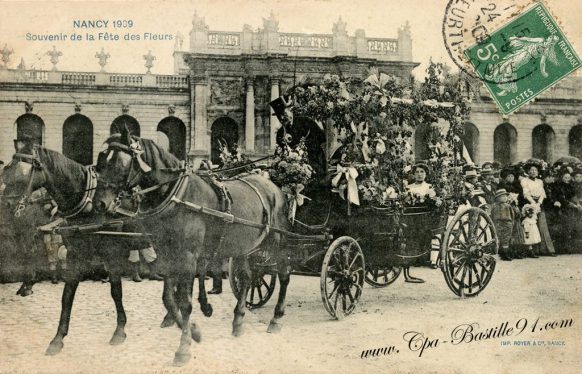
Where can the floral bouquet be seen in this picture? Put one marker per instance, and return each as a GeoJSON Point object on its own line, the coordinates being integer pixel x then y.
{"type": "Point", "coordinates": [291, 171]}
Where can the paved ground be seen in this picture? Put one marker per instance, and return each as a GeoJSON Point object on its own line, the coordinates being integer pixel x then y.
{"type": "Point", "coordinates": [548, 289]}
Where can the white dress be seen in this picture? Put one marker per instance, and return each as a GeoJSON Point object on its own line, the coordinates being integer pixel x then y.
{"type": "Point", "coordinates": [422, 189]}
{"type": "Point", "coordinates": [530, 228]}
{"type": "Point", "coordinates": [533, 189]}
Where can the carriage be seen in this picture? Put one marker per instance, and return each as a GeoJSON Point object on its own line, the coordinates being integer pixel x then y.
{"type": "Point", "coordinates": [370, 246]}
{"type": "Point", "coordinates": [372, 242]}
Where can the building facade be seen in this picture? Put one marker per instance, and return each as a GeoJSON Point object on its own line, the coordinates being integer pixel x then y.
{"type": "Point", "coordinates": [223, 83]}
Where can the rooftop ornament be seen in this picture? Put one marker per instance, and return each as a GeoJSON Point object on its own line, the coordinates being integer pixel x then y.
{"type": "Point", "coordinates": [54, 54]}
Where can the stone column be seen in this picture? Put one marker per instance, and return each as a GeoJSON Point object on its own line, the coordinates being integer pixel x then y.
{"type": "Point", "coordinates": [274, 122]}
{"type": "Point", "coordinates": [199, 135]}
{"type": "Point", "coordinates": [250, 117]}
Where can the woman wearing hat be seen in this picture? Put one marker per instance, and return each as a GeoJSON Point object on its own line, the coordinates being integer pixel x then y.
{"type": "Point", "coordinates": [564, 210]}
{"type": "Point", "coordinates": [418, 241]}
{"type": "Point", "coordinates": [535, 194]}
{"type": "Point", "coordinates": [510, 183]}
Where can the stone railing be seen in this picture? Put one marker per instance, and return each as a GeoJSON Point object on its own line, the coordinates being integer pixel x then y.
{"type": "Point", "coordinates": [294, 40]}
{"type": "Point", "coordinates": [382, 45]}
{"type": "Point", "coordinates": [269, 40]}
{"type": "Point", "coordinates": [83, 79]}
{"type": "Point", "coordinates": [223, 39]}
{"type": "Point", "coordinates": [92, 79]}
{"type": "Point", "coordinates": [126, 80]}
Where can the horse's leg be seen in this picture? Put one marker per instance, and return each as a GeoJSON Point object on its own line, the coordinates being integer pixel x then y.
{"type": "Point", "coordinates": [71, 283]}
{"type": "Point", "coordinates": [243, 273]}
{"type": "Point", "coordinates": [185, 284]}
{"type": "Point", "coordinates": [29, 281]}
{"type": "Point", "coordinates": [284, 278]}
{"type": "Point", "coordinates": [205, 306]}
{"type": "Point", "coordinates": [117, 295]}
{"type": "Point", "coordinates": [169, 299]}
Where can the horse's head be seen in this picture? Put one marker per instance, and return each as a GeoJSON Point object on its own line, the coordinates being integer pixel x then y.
{"type": "Point", "coordinates": [122, 169]}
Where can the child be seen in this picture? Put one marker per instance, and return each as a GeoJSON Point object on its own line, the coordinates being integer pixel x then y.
{"type": "Point", "coordinates": [502, 215]}
{"type": "Point", "coordinates": [530, 228]}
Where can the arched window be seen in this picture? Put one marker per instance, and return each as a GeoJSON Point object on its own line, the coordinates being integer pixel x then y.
{"type": "Point", "coordinates": [421, 141]}
{"type": "Point", "coordinates": [575, 141]}
{"type": "Point", "coordinates": [224, 129]}
{"type": "Point", "coordinates": [471, 141]}
{"type": "Point", "coordinates": [175, 130]}
{"type": "Point", "coordinates": [78, 139]}
{"type": "Point", "coordinates": [543, 137]}
{"type": "Point", "coordinates": [129, 121]}
{"type": "Point", "coordinates": [505, 144]}
{"type": "Point", "coordinates": [30, 126]}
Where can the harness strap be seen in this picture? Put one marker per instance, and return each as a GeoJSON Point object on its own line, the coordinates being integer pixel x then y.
{"type": "Point", "coordinates": [266, 215]}
{"type": "Point", "coordinates": [87, 199]}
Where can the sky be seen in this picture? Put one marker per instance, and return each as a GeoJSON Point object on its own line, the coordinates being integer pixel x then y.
{"type": "Point", "coordinates": [377, 18]}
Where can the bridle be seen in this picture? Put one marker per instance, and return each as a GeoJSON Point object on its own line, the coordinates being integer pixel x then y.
{"type": "Point", "coordinates": [84, 204]}
{"type": "Point", "coordinates": [24, 198]}
{"type": "Point", "coordinates": [129, 188]}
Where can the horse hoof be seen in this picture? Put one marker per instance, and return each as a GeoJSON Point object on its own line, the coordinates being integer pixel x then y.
{"type": "Point", "coordinates": [167, 322]}
{"type": "Point", "coordinates": [26, 292]}
{"type": "Point", "coordinates": [274, 327]}
{"type": "Point", "coordinates": [196, 333]}
{"type": "Point", "coordinates": [207, 310]}
{"type": "Point", "coordinates": [181, 359]}
{"type": "Point", "coordinates": [237, 330]}
{"type": "Point", "coordinates": [54, 348]}
{"type": "Point", "coordinates": [118, 338]}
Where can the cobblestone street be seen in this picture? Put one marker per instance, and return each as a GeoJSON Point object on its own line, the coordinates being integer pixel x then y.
{"type": "Point", "coordinates": [547, 288]}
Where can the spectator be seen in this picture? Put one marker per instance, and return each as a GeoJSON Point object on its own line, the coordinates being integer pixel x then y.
{"type": "Point", "coordinates": [535, 194]}
{"type": "Point", "coordinates": [149, 255]}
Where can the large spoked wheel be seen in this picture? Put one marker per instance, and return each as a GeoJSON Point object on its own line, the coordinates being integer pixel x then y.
{"type": "Point", "coordinates": [342, 277]}
{"type": "Point", "coordinates": [381, 276]}
{"type": "Point", "coordinates": [263, 281]}
{"type": "Point", "coordinates": [468, 249]}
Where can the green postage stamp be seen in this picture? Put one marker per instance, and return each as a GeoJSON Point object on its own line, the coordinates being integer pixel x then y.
{"type": "Point", "coordinates": [523, 58]}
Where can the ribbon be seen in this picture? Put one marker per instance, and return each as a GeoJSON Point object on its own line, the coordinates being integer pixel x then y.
{"type": "Point", "coordinates": [295, 199]}
{"type": "Point", "coordinates": [350, 174]}
{"type": "Point", "coordinates": [361, 136]}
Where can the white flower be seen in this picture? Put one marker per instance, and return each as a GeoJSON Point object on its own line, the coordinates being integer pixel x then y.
{"type": "Point", "coordinates": [407, 168]}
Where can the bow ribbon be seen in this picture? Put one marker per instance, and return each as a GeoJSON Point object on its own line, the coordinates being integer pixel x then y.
{"type": "Point", "coordinates": [361, 136]}
{"type": "Point", "coordinates": [350, 173]}
{"type": "Point", "coordinates": [295, 198]}
{"type": "Point", "coordinates": [137, 151]}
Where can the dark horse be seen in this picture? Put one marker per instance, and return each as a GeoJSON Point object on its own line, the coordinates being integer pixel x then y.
{"type": "Point", "coordinates": [67, 183]}
{"type": "Point", "coordinates": [181, 234]}
{"type": "Point", "coordinates": [20, 229]}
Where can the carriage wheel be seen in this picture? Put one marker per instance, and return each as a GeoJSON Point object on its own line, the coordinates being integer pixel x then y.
{"type": "Point", "coordinates": [468, 249]}
{"type": "Point", "coordinates": [342, 277]}
{"type": "Point", "coordinates": [382, 276]}
{"type": "Point", "coordinates": [263, 280]}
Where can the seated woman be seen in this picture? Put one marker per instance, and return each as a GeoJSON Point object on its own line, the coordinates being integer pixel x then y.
{"type": "Point", "coordinates": [418, 236]}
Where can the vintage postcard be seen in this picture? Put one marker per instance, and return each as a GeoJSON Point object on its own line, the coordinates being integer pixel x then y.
{"type": "Point", "coordinates": [326, 186]}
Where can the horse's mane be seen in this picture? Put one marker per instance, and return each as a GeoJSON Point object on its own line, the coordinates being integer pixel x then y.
{"type": "Point", "coordinates": [155, 156]}
{"type": "Point", "coordinates": [63, 168]}
{"type": "Point", "coordinates": [69, 177]}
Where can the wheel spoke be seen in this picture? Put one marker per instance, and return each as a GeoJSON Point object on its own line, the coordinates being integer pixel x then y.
{"type": "Point", "coordinates": [349, 293]}
{"type": "Point", "coordinates": [263, 281]}
{"type": "Point", "coordinates": [479, 278]}
{"type": "Point", "coordinates": [335, 288]}
{"type": "Point", "coordinates": [252, 294]}
{"type": "Point", "coordinates": [470, 270]}
{"type": "Point", "coordinates": [353, 261]}
{"type": "Point", "coordinates": [462, 266]}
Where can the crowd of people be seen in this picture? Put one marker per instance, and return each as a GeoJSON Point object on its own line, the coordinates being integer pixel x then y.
{"type": "Point", "coordinates": [535, 207]}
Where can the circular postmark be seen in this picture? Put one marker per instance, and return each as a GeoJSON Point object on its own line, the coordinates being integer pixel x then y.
{"type": "Point", "coordinates": [470, 22]}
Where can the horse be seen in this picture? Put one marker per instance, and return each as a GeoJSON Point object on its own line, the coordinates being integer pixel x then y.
{"type": "Point", "coordinates": [133, 166]}
{"type": "Point", "coordinates": [68, 183]}
{"type": "Point", "coordinates": [20, 230]}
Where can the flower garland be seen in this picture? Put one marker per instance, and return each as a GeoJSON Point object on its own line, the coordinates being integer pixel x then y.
{"type": "Point", "coordinates": [375, 119]}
